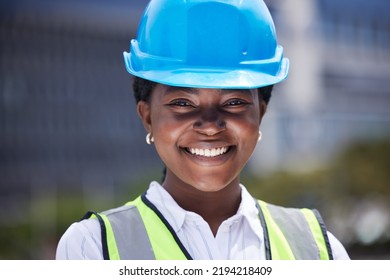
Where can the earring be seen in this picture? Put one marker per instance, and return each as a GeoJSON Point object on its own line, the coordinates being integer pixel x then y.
{"type": "Point", "coordinates": [149, 138]}
{"type": "Point", "coordinates": [260, 135]}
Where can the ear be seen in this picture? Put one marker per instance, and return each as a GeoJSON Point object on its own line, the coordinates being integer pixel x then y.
{"type": "Point", "coordinates": [263, 109]}
{"type": "Point", "coordinates": [143, 110]}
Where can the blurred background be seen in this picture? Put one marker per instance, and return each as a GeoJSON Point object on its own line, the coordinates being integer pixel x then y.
{"type": "Point", "coordinates": [70, 139]}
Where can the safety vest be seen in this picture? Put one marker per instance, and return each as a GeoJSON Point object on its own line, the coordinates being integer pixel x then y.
{"type": "Point", "coordinates": [138, 231]}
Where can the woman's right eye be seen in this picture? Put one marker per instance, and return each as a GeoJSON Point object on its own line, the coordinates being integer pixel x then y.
{"type": "Point", "coordinates": [180, 103]}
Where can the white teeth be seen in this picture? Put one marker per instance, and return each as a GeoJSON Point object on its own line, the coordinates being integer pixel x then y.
{"type": "Point", "coordinates": [208, 152]}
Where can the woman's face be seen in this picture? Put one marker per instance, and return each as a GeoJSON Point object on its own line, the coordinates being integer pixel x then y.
{"type": "Point", "coordinates": [204, 136]}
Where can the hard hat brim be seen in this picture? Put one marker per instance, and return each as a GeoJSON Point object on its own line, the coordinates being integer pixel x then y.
{"type": "Point", "coordinates": [210, 78]}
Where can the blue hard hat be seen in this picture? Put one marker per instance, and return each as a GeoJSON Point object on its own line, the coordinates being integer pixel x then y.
{"type": "Point", "coordinates": [207, 44]}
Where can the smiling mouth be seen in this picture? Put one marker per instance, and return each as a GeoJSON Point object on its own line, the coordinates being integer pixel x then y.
{"type": "Point", "coordinates": [208, 152]}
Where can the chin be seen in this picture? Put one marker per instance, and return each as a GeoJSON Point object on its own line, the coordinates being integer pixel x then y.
{"type": "Point", "coordinates": [209, 186]}
{"type": "Point", "coordinates": [207, 189]}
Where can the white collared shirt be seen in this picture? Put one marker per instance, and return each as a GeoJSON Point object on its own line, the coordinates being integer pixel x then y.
{"type": "Point", "coordinates": [240, 237]}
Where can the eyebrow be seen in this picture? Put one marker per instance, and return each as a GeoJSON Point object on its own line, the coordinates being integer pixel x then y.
{"type": "Point", "coordinates": [242, 90]}
{"type": "Point", "coordinates": [185, 89]}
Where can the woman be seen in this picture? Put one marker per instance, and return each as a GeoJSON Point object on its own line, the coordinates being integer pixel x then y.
{"type": "Point", "coordinates": [204, 72]}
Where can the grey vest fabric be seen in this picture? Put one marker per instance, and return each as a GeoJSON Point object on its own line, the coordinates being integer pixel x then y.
{"type": "Point", "coordinates": [296, 230]}
{"type": "Point", "coordinates": [127, 224]}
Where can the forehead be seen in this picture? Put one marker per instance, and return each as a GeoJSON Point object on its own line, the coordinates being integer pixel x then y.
{"type": "Point", "coordinates": [167, 90]}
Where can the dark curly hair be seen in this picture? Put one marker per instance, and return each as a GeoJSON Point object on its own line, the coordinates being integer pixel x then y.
{"type": "Point", "coordinates": [142, 89]}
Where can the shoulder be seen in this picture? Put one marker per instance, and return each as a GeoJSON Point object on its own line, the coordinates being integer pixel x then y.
{"type": "Point", "coordinates": [82, 240]}
{"type": "Point", "coordinates": [297, 216]}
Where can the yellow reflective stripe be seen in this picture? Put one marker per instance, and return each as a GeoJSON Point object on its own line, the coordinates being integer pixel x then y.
{"type": "Point", "coordinates": [163, 244]}
{"type": "Point", "coordinates": [280, 249]}
{"type": "Point", "coordinates": [111, 243]}
{"type": "Point", "coordinates": [317, 233]}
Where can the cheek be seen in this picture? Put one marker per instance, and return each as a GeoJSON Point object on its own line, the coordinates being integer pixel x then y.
{"type": "Point", "coordinates": [167, 133]}
{"type": "Point", "coordinates": [165, 128]}
{"type": "Point", "coordinates": [248, 125]}
{"type": "Point", "coordinates": [251, 133]}
{"type": "Point", "coordinates": [247, 133]}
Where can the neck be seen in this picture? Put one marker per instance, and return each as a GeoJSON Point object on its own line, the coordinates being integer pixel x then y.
{"type": "Point", "coordinates": [213, 207]}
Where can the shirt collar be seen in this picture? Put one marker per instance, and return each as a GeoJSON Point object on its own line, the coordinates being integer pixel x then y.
{"type": "Point", "coordinates": [250, 212]}
{"type": "Point", "coordinates": [172, 212]}
{"type": "Point", "coordinates": [176, 216]}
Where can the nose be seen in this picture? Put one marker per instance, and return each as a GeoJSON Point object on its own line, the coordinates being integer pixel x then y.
{"type": "Point", "coordinates": [210, 122]}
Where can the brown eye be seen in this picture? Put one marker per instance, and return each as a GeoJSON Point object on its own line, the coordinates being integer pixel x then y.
{"type": "Point", "coordinates": [181, 103]}
{"type": "Point", "coordinates": [236, 102]}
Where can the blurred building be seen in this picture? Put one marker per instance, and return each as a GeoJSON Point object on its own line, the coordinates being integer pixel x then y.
{"type": "Point", "coordinates": [67, 118]}
{"type": "Point", "coordinates": [67, 110]}
{"type": "Point", "coordinates": [338, 89]}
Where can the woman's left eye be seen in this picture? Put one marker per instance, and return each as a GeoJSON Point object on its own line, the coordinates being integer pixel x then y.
{"type": "Point", "coordinates": [236, 102]}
